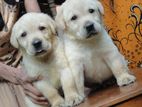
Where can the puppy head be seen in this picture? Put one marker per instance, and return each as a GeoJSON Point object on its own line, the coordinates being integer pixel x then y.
{"type": "Point", "coordinates": [34, 34]}
{"type": "Point", "coordinates": [81, 18]}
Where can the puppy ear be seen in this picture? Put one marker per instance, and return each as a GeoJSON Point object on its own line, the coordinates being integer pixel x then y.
{"type": "Point", "coordinates": [60, 19]}
{"type": "Point", "coordinates": [100, 8]}
{"type": "Point", "coordinates": [13, 40]}
{"type": "Point", "coordinates": [53, 27]}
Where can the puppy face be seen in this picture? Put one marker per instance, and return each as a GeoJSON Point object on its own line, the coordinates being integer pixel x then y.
{"type": "Point", "coordinates": [81, 18]}
{"type": "Point", "coordinates": [34, 34]}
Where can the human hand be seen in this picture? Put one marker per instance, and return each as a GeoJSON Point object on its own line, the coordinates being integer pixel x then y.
{"type": "Point", "coordinates": [14, 75]}
{"type": "Point", "coordinates": [34, 94]}
{"type": "Point", "coordinates": [18, 76]}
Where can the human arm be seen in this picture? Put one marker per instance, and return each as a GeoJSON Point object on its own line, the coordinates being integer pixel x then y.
{"type": "Point", "coordinates": [32, 6]}
{"type": "Point", "coordinates": [18, 76]}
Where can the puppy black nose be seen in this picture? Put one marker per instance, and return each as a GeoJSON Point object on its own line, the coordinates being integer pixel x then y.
{"type": "Point", "coordinates": [37, 44]}
{"type": "Point", "coordinates": [90, 27]}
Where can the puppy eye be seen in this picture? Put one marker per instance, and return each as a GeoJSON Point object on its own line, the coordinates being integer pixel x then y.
{"type": "Point", "coordinates": [91, 10]}
{"type": "Point", "coordinates": [24, 34]}
{"type": "Point", "coordinates": [73, 18]}
{"type": "Point", "coordinates": [42, 28]}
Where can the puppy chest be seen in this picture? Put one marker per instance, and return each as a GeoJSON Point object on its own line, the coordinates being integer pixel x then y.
{"type": "Point", "coordinates": [96, 69]}
{"type": "Point", "coordinates": [47, 72]}
{"type": "Point", "coordinates": [52, 75]}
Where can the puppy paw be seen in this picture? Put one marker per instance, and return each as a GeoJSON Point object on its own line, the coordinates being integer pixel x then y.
{"type": "Point", "coordinates": [74, 100]}
{"type": "Point", "coordinates": [59, 103]}
{"type": "Point", "coordinates": [125, 79]}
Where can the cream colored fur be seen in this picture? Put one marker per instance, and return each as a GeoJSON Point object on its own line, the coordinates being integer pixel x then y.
{"type": "Point", "coordinates": [95, 54]}
{"type": "Point", "coordinates": [51, 64]}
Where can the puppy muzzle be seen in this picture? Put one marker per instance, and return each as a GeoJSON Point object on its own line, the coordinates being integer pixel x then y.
{"type": "Point", "coordinates": [37, 44]}
{"type": "Point", "coordinates": [90, 29]}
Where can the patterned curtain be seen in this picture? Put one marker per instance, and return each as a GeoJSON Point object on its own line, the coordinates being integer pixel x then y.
{"type": "Point", "coordinates": [123, 20]}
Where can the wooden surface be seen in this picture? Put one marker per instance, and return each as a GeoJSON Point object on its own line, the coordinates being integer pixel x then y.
{"type": "Point", "coordinates": [12, 96]}
{"type": "Point", "coordinates": [114, 94]}
{"type": "Point", "coordinates": [134, 102]}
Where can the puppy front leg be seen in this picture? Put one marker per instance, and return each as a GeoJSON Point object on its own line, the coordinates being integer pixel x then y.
{"type": "Point", "coordinates": [72, 98]}
{"type": "Point", "coordinates": [117, 64]}
{"type": "Point", "coordinates": [50, 93]}
{"type": "Point", "coordinates": [29, 103]}
{"type": "Point", "coordinates": [78, 75]}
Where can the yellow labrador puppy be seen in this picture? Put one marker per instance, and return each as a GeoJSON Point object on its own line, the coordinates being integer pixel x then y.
{"type": "Point", "coordinates": [88, 46]}
{"type": "Point", "coordinates": [43, 55]}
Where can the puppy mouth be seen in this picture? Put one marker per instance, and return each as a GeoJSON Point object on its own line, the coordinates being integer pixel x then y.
{"type": "Point", "coordinates": [92, 34]}
{"type": "Point", "coordinates": [40, 52]}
